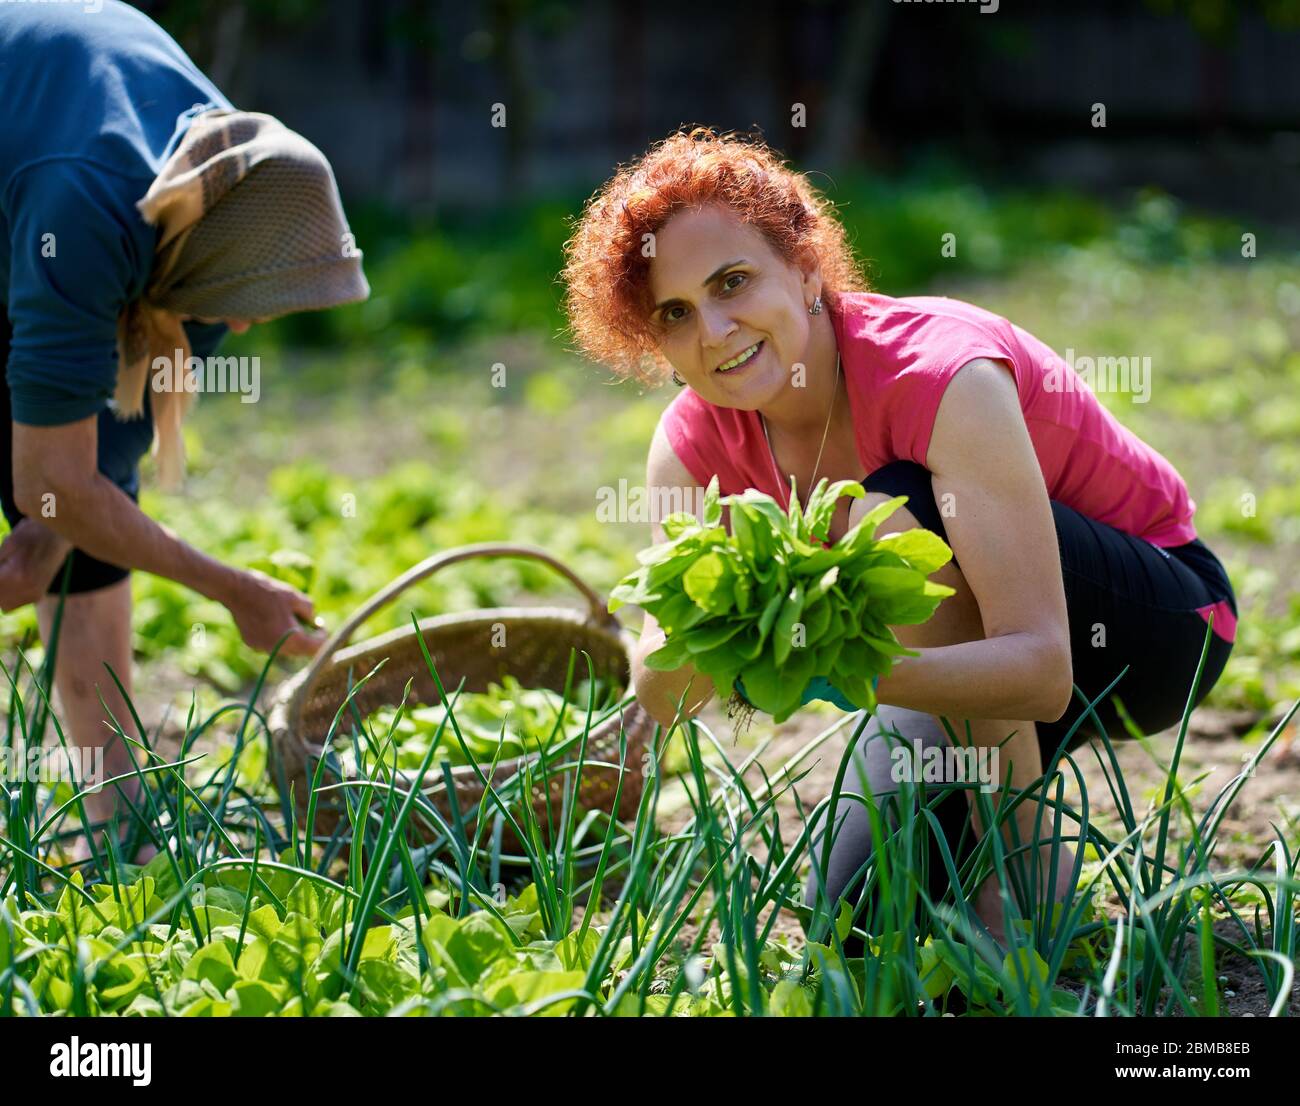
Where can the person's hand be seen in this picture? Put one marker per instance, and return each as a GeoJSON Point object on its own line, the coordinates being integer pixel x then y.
{"type": "Point", "coordinates": [818, 688]}
{"type": "Point", "coordinates": [264, 608]}
{"type": "Point", "coordinates": [821, 688]}
{"type": "Point", "coordinates": [29, 557]}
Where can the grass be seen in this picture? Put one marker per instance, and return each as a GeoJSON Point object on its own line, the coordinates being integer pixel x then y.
{"type": "Point", "coordinates": [245, 913]}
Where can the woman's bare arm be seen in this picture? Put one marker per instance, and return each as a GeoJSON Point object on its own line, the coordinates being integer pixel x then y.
{"type": "Point", "coordinates": [1004, 538]}
{"type": "Point", "coordinates": [668, 482]}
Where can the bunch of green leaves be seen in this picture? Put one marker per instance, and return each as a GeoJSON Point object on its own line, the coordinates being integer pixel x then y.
{"type": "Point", "coordinates": [773, 603]}
{"type": "Point", "coordinates": [508, 720]}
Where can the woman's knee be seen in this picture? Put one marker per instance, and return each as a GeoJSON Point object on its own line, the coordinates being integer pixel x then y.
{"type": "Point", "coordinates": [957, 617]}
{"type": "Point", "coordinates": [917, 483]}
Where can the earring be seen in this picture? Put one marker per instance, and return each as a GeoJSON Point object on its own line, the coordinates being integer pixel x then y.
{"type": "Point", "coordinates": [816, 308]}
{"type": "Point", "coordinates": [678, 380]}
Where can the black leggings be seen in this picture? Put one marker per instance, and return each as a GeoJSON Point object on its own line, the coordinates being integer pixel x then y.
{"type": "Point", "coordinates": [1129, 603]}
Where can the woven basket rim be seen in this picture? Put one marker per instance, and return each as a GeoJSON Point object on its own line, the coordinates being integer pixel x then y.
{"type": "Point", "coordinates": [285, 690]}
{"type": "Point", "coordinates": [277, 714]}
{"type": "Point", "coordinates": [299, 706]}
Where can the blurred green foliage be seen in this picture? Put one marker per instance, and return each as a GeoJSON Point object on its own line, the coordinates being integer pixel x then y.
{"type": "Point", "coordinates": [466, 275]}
{"type": "Point", "coordinates": [378, 439]}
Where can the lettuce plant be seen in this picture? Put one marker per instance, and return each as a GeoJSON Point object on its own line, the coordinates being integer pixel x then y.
{"type": "Point", "coordinates": [507, 720]}
{"type": "Point", "coordinates": [772, 602]}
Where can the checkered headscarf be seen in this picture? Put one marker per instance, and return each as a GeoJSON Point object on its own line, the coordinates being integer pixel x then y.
{"type": "Point", "coordinates": [252, 227]}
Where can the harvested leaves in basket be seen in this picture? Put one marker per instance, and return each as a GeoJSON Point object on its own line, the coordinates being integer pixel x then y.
{"type": "Point", "coordinates": [773, 603]}
{"type": "Point", "coordinates": [506, 721]}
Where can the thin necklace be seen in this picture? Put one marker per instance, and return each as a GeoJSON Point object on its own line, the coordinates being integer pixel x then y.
{"type": "Point", "coordinates": [831, 410]}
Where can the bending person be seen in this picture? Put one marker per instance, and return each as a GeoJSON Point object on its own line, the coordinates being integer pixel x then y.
{"type": "Point", "coordinates": [141, 216]}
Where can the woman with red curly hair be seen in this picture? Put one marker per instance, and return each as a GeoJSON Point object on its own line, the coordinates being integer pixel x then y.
{"type": "Point", "coordinates": [1074, 552]}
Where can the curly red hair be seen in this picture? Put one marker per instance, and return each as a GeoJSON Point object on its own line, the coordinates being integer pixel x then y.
{"type": "Point", "coordinates": [606, 273]}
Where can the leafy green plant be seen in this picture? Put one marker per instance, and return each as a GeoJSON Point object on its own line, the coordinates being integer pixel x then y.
{"type": "Point", "coordinates": [772, 603]}
{"type": "Point", "coordinates": [245, 913]}
{"type": "Point", "coordinates": [506, 721]}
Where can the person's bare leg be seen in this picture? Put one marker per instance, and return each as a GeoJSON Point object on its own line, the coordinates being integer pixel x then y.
{"type": "Point", "coordinates": [957, 619]}
{"type": "Point", "coordinates": [872, 772]}
{"type": "Point", "coordinates": [96, 629]}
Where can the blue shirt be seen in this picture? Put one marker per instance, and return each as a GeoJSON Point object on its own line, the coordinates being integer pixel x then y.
{"type": "Point", "coordinates": [94, 106]}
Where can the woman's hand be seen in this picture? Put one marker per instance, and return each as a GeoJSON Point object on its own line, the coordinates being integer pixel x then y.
{"type": "Point", "coordinates": [29, 558]}
{"type": "Point", "coordinates": [819, 688]}
{"type": "Point", "coordinates": [659, 692]}
{"type": "Point", "coordinates": [264, 609]}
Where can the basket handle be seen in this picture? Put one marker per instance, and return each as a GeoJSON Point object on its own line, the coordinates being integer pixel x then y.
{"type": "Point", "coordinates": [422, 571]}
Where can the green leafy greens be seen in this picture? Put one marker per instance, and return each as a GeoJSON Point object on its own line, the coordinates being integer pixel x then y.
{"type": "Point", "coordinates": [773, 603]}
{"type": "Point", "coordinates": [515, 719]}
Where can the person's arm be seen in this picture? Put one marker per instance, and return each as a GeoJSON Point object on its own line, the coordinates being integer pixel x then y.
{"type": "Point", "coordinates": [1003, 536]}
{"type": "Point", "coordinates": [30, 555]}
{"type": "Point", "coordinates": [79, 252]}
{"type": "Point", "coordinates": [657, 691]}
{"type": "Point", "coordinates": [57, 480]}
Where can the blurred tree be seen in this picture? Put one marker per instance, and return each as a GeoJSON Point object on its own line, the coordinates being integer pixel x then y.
{"type": "Point", "coordinates": [415, 26]}
{"type": "Point", "coordinates": [627, 108]}
{"type": "Point", "coordinates": [222, 40]}
{"type": "Point", "coordinates": [504, 40]}
{"type": "Point", "coordinates": [506, 19]}
{"type": "Point", "coordinates": [838, 136]}
{"type": "Point", "coordinates": [1217, 20]}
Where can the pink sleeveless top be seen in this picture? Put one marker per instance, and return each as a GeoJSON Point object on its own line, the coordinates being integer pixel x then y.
{"type": "Point", "coordinates": [898, 356]}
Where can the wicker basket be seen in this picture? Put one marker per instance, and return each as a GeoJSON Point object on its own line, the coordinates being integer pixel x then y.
{"type": "Point", "coordinates": [465, 646]}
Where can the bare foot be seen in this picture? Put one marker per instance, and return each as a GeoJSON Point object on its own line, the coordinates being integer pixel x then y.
{"type": "Point", "coordinates": [988, 908]}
